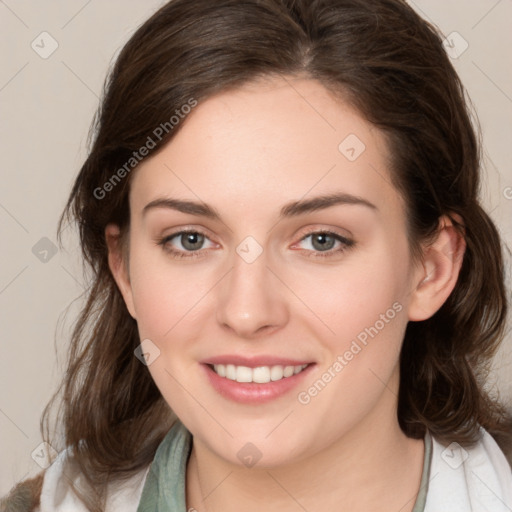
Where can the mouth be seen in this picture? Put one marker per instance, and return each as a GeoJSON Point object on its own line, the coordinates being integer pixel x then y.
{"type": "Point", "coordinates": [252, 381]}
{"type": "Point", "coordinates": [259, 374]}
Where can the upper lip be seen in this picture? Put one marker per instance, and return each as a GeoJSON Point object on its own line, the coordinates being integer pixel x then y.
{"type": "Point", "coordinates": [254, 361]}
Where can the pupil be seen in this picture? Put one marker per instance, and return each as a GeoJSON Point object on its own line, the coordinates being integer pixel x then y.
{"type": "Point", "coordinates": [324, 244]}
{"type": "Point", "coordinates": [191, 240]}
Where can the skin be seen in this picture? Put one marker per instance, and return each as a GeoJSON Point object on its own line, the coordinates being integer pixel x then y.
{"type": "Point", "coordinates": [247, 153]}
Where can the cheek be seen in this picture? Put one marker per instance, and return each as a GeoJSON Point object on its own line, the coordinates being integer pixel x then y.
{"type": "Point", "coordinates": [367, 290]}
{"type": "Point", "coordinates": [363, 308]}
{"type": "Point", "coordinates": [153, 304]}
{"type": "Point", "coordinates": [165, 294]}
{"type": "Point", "coordinates": [369, 316]}
{"type": "Point", "coordinates": [167, 302]}
{"type": "Point", "coordinates": [365, 312]}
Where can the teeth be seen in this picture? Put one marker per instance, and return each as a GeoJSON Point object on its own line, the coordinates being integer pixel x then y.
{"type": "Point", "coordinates": [276, 373]}
{"type": "Point", "coordinates": [230, 371]}
{"type": "Point", "coordinates": [243, 374]}
{"type": "Point", "coordinates": [260, 374]}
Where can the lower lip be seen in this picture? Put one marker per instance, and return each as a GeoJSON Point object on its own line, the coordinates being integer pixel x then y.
{"type": "Point", "coordinates": [252, 392]}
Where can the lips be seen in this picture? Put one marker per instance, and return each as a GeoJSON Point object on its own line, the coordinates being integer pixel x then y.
{"type": "Point", "coordinates": [256, 379]}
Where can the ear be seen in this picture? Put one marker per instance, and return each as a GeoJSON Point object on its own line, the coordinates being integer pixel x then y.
{"type": "Point", "coordinates": [437, 276]}
{"type": "Point", "coordinates": [117, 261]}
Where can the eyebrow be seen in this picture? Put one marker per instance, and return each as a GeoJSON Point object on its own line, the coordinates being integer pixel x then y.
{"type": "Point", "coordinates": [293, 209]}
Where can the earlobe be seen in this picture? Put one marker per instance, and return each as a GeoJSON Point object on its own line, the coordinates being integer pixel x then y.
{"type": "Point", "coordinates": [437, 277]}
{"type": "Point", "coordinates": [118, 265]}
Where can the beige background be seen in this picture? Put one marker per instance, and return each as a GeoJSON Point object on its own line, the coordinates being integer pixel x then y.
{"type": "Point", "coordinates": [46, 106]}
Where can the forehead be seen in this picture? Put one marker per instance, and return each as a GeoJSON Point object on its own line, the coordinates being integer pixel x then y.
{"type": "Point", "coordinates": [266, 143]}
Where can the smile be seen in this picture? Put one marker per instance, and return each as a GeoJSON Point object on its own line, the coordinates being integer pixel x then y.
{"type": "Point", "coordinates": [258, 383]}
{"type": "Point", "coordinates": [260, 374]}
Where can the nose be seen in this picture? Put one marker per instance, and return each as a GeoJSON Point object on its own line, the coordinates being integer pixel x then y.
{"type": "Point", "coordinates": [251, 299]}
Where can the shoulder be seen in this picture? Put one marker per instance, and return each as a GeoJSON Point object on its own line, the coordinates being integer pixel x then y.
{"type": "Point", "coordinates": [475, 478]}
{"type": "Point", "coordinates": [58, 496]}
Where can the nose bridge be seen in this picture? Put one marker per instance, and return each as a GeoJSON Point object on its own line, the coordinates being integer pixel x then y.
{"type": "Point", "coordinates": [250, 297]}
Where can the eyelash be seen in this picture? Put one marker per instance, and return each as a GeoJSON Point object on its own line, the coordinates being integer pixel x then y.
{"type": "Point", "coordinates": [346, 244]}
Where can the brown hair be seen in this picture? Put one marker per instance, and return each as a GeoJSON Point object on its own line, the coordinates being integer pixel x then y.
{"type": "Point", "coordinates": [391, 65]}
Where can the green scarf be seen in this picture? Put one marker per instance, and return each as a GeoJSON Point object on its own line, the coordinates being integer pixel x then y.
{"type": "Point", "coordinates": [164, 489]}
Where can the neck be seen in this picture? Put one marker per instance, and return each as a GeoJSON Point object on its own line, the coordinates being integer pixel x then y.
{"type": "Point", "coordinates": [374, 466]}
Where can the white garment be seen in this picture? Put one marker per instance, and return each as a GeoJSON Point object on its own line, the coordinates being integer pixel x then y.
{"type": "Point", "coordinates": [474, 480]}
{"type": "Point", "coordinates": [478, 479]}
{"type": "Point", "coordinates": [57, 496]}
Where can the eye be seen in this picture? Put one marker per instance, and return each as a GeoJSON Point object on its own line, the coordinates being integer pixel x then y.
{"type": "Point", "coordinates": [190, 243]}
{"type": "Point", "coordinates": [183, 242]}
{"type": "Point", "coordinates": [325, 244]}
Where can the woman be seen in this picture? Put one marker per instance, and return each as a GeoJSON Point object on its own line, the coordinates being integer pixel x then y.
{"type": "Point", "coordinates": [296, 291]}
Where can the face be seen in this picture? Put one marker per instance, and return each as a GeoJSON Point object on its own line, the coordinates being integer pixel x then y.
{"type": "Point", "coordinates": [268, 246]}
